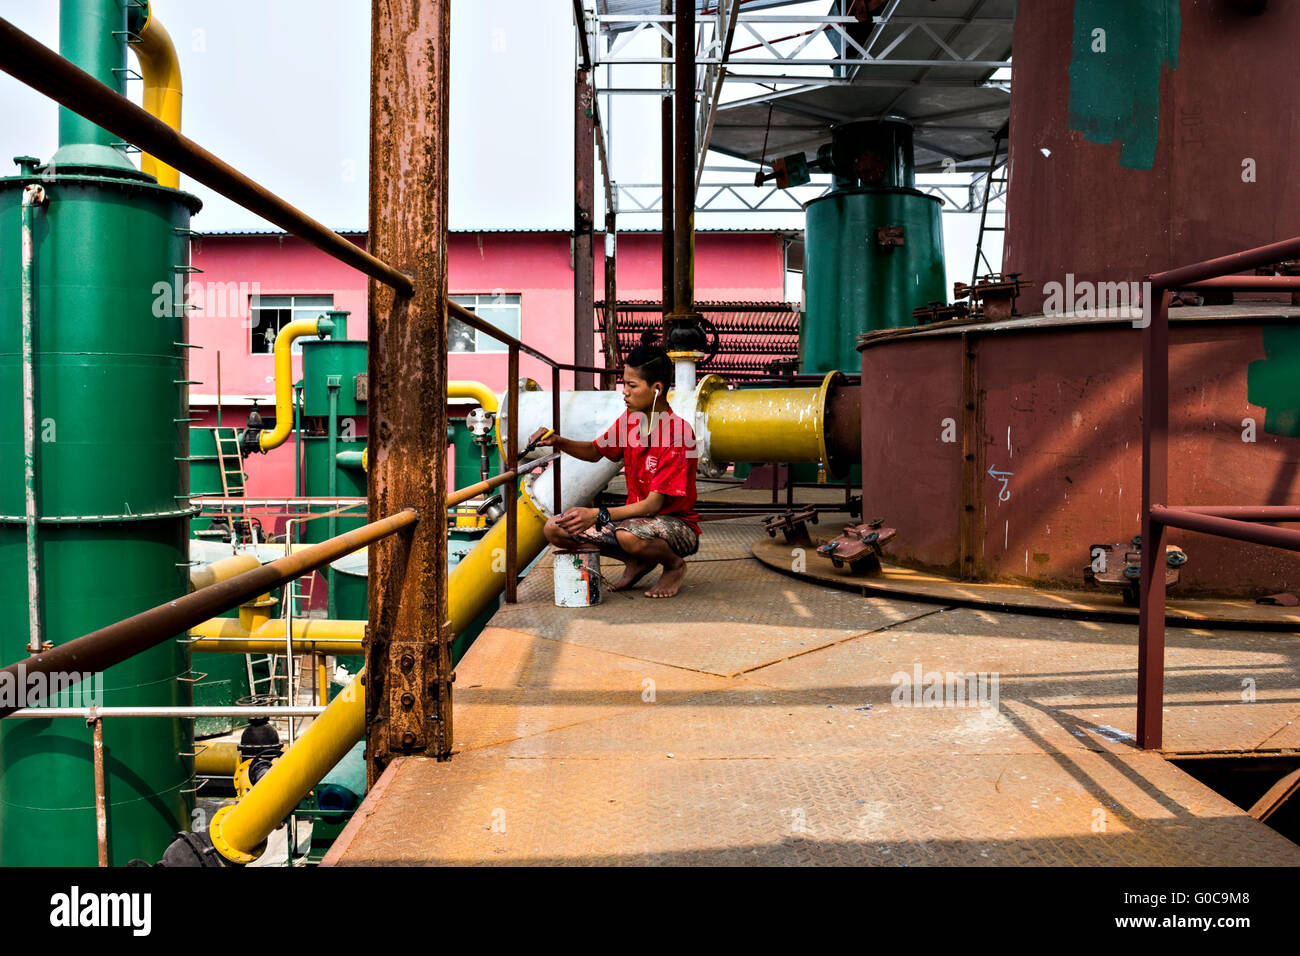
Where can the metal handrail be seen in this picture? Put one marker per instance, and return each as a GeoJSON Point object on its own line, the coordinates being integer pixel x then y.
{"type": "Point", "coordinates": [36, 65]}
{"type": "Point", "coordinates": [116, 642]}
{"type": "Point", "coordinates": [1230, 521]}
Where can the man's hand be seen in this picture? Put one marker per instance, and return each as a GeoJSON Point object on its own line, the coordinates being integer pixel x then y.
{"type": "Point", "coordinates": [577, 520]}
{"type": "Point", "coordinates": [538, 441]}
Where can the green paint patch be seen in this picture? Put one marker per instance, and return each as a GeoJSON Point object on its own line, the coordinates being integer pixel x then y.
{"type": "Point", "coordinates": [1273, 382]}
{"type": "Point", "coordinates": [1119, 51]}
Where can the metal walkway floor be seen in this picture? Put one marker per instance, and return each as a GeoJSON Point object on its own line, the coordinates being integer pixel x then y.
{"type": "Point", "coordinates": [751, 720]}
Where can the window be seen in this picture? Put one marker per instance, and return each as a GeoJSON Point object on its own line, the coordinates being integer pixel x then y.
{"type": "Point", "coordinates": [268, 314]}
{"type": "Point", "coordinates": [501, 311]}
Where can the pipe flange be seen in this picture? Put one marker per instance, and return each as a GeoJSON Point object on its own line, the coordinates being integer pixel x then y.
{"type": "Point", "coordinates": [223, 847]}
{"type": "Point", "coordinates": [834, 379]}
{"type": "Point", "coordinates": [706, 387]}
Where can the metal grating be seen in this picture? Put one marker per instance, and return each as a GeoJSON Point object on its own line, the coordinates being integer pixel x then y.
{"type": "Point", "coordinates": [755, 339]}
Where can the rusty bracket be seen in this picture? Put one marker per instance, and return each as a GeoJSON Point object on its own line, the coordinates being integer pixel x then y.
{"type": "Point", "coordinates": [1119, 566]}
{"type": "Point", "coordinates": [793, 525]}
{"type": "Point", "coordinates": [889, 237]}
{"type": "Point", "coordinates": [996, 294]}
{"type": "Point", "coordinates": [860, 546]}
{"type": "Point", "coordinates": [940, 312]}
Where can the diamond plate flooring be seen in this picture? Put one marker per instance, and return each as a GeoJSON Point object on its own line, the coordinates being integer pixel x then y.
{"type": "Point", "coordinates": [760, 719]}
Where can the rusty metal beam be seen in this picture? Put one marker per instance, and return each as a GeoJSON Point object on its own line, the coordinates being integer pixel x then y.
{"type": "Point", "coordinates": [584, 254]}
{"type": "Point", "coordinates": [408, 647]}
{"type": "Point", "coordinates": [684, 163]}
{"type": "Point", "coordinates": [1184, 276]}
{"type": "Point", "coordinates": [612, 357]}
{"type": "Point", "coordinates": [1241, 530]}
{"type": "Point", "coordinates": [113, 644]}
{"type": "Point", "coordinates": [668, 242]}
{"type": "Point", "coordinates": [45, 71]}
{"type": "Point", "coordinates": [1155, 491]}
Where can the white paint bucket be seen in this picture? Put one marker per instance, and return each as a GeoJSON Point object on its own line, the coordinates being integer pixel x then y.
{"type": "Point", "coordinates": [577, 578]}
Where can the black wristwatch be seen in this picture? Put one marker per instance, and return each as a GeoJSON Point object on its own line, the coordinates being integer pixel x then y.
{"type": "Point", "coordinates": [602, 517]}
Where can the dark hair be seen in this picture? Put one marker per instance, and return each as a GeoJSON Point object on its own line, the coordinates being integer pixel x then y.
{"type": "Point", "coordinates": [652, 363]}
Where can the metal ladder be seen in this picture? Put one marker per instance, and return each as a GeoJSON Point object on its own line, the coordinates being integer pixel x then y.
{"type": "Point", "coordinates": [989, 180]}
{"type": "Point", "coordinates": [230, 462]}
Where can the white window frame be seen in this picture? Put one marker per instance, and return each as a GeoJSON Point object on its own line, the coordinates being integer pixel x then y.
{"type": "Point", "coordinates": [484, 343]}
{"type": "Point", "coordinates": [296, 311]}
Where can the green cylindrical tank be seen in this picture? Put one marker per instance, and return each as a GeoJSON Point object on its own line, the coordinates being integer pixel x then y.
{"type": "Point", "coordinates": [92, 34]}
{"type": "Point", "coordinates": [861, 271]}
{"type": "Point", "coordinates": [348, 483]}
{"type": "Point", "coordinates": [331, 367]}
{"type": "Point", "coordinates": [111, 410]}
{"type": "Point", "coordinates": [323, 359]}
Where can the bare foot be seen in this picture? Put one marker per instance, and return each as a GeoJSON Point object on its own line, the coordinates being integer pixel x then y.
{"type": "Point", "coordinates": [669, 582]}
{"type": "Point", "coordinates": [633, 572]}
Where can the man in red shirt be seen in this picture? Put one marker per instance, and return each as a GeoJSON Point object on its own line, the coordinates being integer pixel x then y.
{"type": "Point", "coordinates": [658, 525]}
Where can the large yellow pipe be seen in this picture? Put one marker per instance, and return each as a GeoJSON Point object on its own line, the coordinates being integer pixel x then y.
{"type": "Point", "coordinates": [284, 377]}
{"type": "Point", "coordinates": [239, 831]}
{"type": "Point", "coordinates": [217, 759]}
{"type": "Point", "coordinates": [458, 388]}
{"type": "Point", "coordinates": [763, 424]}
{"type": "Point", "coordinates": [314, 636]}
{"type": "Point", "coordinates": [161, 72]}
{"type": "Point", "coordinates": [207, 575]}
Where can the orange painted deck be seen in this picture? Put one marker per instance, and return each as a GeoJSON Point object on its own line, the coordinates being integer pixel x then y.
{"type": "Point", "coordinates": [752, 720]}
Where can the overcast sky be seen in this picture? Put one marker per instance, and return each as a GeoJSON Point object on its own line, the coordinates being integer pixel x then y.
{"type": "Point", "coordinates": [280, 90]}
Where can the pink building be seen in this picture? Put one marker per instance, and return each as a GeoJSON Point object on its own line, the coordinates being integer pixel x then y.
{"type": "Point", "coordinates": [520, 281]}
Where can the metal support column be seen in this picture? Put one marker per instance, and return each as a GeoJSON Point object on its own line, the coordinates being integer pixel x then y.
{"type": "Point", "coordinates": [408, 648]}
{"type": "Point", "coordinates": [666, 170]}
{"type": "Point", "coordinates": [613, 359]}
{"type": "Point", "coordinates": [682, 336]}
{"type": "Point", "coordinates": [584, 201]}
{"type": "Point", "coordinates": [1155, 491]}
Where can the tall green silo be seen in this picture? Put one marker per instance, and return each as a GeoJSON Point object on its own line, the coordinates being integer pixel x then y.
{"type": "Point", "coordinates": [873, 245]}
{"type": "Point", "coordinates": [111, 415]}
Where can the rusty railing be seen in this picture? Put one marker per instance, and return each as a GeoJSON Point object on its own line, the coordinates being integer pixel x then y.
{"type": "Point", "coordinates": [1228, 521]}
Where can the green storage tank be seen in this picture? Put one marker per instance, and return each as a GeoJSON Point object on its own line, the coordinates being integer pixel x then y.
{"type": "Point", "coordinates": [334, 406]}
{"type": "Point", "coordinates": [112, 410]}
{"type": "Point", "coordinates": [873, 245]}
{"type": "Point", "coordinates": [111, 403]}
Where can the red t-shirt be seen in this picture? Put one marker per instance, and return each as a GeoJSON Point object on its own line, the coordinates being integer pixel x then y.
{"type": "Point", "coordinates": [666, 463]}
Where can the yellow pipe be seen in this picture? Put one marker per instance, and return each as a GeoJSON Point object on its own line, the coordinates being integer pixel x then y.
{"type": "Point", "coordinates": [217, 759]}
{"type": "Point", "coordinates": [284, 377]}
{"type": "Point", "coordinates": [313, 636]}
{"type": "Point", "coordinates": [161, 72]}
{"type": "Point", "coordinates": [459, 388]}
{"type": "Point", "coordinates": [763, 424]}
{"type": "Point", "coordinates": [239, 831]}
{"type": "Point", "coordinates": [209, 574]}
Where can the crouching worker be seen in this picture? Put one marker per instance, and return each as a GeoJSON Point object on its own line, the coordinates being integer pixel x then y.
{"type": "Point", "coordinates": [658, 525]}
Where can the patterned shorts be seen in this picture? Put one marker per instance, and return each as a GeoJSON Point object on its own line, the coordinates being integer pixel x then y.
{"type": "Point", "coordinates": [675, 531]}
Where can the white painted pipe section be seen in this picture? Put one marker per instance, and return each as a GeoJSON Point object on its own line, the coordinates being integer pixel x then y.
{"type": "Point", "coordinates": [584, 416]}
{"type": "Point", "coordinates": [33, 197]}
{"type": "Point", "coordinates": [684, 374]}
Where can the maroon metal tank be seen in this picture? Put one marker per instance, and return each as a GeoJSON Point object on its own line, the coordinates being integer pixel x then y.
{"type": "Point", "coordinates": [1004, 451]}
{"type": "Point", "coordinates": [1169, 137]}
